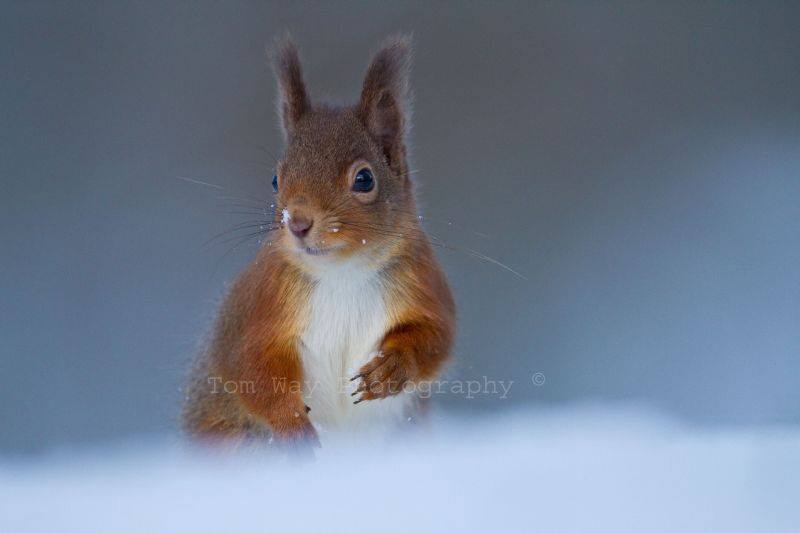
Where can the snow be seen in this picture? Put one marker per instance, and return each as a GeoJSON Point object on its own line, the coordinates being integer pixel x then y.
{"type": "Point", "coordinates": [580, 469]}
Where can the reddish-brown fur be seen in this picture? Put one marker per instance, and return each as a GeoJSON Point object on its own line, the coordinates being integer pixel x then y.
{"type": "Point", "coordinates": [257, 335]}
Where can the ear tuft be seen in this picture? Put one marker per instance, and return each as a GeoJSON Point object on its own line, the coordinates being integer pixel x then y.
{"type": "Point", "coordinates": [293, 100]}
{"type": "Point", "coordinates": [384, 105]}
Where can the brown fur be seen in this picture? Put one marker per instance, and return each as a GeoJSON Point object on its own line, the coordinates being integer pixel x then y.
{"type": "Point", "coordinates": [257, 334]}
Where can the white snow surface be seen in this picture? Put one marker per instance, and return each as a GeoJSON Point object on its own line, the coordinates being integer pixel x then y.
{"type": "Point", "coordinates": [577, 469]}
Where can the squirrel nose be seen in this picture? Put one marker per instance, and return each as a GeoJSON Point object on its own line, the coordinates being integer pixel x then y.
{"type": "Point", "coordinates": [300, 226]}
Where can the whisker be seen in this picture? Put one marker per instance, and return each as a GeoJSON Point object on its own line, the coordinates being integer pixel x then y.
{"type": "Point", "coordinates": [492, 260]}
{"type": "Point", "coordinates": [249, 235]}
{"type": "Point", "coordinates": [271, 216]}
{"type": "Point", "coordinates": [252, 203]}
{"type": "Point", "coordinates": [218, 187]}
{"type": "Point", "coordinates": [243, 240]}
{"type": "Point", "coordinates": [253, 209]}
{"type": "Point", "coordinates": [384, 232]}
{"type": "Point", "coordinates": [438, 242]}
{"type": "Point", "coordinates": [200, 182]}
{"type": "Point", "coordinates": [263, 149]}
{"type": "Point", "coordinates": [448, 223]}
{"type": "Point", "coordinates": [263, 228]}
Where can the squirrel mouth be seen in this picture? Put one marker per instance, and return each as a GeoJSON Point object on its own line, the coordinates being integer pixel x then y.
{"type": "Point", "coordinates": [316, 251]}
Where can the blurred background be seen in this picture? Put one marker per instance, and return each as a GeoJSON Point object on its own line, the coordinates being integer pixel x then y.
{"type": "Point", "coordinates": [637, 163]}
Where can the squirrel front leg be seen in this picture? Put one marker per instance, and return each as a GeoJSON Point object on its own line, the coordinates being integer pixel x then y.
{"type": "Point", "coordinates": [411, 351]}
{"type": "Point", "coordinates": [273, 377]}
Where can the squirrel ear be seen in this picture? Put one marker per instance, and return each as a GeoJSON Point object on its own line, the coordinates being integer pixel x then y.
{"type": "Point", "coordinates": [384, 98]}
{"type": "Point", "coordinates": [292, 98]}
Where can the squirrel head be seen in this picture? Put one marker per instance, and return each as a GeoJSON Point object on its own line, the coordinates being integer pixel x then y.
{"type": "Point", "coordinates": [342, 185]}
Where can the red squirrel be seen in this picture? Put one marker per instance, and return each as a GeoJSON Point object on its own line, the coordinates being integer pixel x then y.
{"type": "Point", "coordinates": [346, 308]}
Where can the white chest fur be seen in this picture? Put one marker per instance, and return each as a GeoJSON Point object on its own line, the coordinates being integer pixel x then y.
{"type": "Point", "coordinates": [348, 318]}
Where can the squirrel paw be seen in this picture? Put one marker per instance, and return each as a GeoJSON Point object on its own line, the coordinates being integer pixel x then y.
{"type": "Point", "coordinates": [385, 375]}
{"type": "Point", "coordinates": [294, 430]}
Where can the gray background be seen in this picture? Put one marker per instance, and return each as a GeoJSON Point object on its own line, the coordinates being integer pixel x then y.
{"type": "Point", "coordinates": [638, 163]}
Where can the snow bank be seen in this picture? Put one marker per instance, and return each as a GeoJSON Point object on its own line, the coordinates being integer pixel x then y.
{"type": "Point", "coordinates": [576, 470]}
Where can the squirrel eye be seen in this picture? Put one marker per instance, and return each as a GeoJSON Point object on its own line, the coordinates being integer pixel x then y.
{"type": "Point", "coordinates": [275, 183]}
{"type": "Point", "coordinates": [364, 181]}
